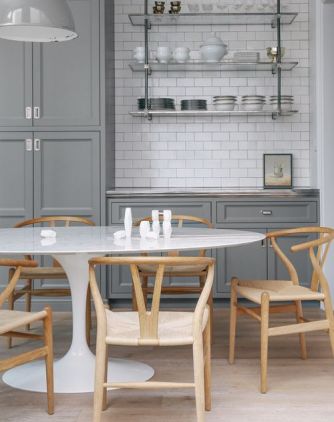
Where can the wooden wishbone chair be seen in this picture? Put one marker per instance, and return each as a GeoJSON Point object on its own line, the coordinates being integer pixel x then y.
{"type": "Point", "coordinates": [146, 271]}
{"type": "Point", "coordinates": [154, 328]}
{"type": "Point", "coordinates": [264, 293]}
{"type": "Point", "coordinates": [11, 321]}
{"type": "Point", "coordinates": [55, 272]}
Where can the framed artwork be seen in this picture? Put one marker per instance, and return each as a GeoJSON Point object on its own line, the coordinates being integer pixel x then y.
{"type": "Point", "coordinates": [277, 171]}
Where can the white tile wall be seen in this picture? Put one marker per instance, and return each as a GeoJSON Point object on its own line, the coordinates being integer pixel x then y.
{"type": "Point", "coordinates": [208, 151]}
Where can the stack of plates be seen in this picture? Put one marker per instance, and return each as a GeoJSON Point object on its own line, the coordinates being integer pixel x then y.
{"type": "Point", "coordinates": [253, 102]}
{"type": "Point", "coordinates": [193, 105]}
{"type": "Point", "coordinates": [246, 56]}
{"type": "Point", "coordinates": [286, 102]}
{"type": "Point", "coordinates": [225, 102]}
{"type": "Point", "coordinates": [157, 104]}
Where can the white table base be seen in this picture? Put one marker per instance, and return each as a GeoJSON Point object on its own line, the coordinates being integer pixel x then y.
{"type": "Point", "coordinates": [74, 373]}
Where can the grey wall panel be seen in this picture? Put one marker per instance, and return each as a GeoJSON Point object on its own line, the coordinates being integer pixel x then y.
{"type": "Point", "coordinates": [15, 82]}
{"type": "Point", "coordinates": [67, 75]}
{"type": "Point", "coordinates": [67, 174]}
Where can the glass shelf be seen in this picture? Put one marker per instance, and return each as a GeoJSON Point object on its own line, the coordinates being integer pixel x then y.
{"type": "Point", "coordinates": [213, 113]}
{"type": "Point", "coordinates": [213, 19]}
{"type": "Point", "coordinates": [221, 66]}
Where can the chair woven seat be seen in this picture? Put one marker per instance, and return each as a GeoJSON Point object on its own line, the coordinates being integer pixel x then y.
{"type": "Point", "coordinates": [277, 290]}
{"type": "Point", "coordinates": [11, 320]}
{"type": "Point", "coordinates": [174, 328]}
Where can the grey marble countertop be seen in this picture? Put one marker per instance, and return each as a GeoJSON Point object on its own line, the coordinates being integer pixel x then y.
{"type": "Point", "coordinates": [211, 192]}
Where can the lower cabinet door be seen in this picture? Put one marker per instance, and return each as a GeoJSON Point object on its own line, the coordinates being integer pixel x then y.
{"type": "Point", "coordinates": [300, 260]}
{"type": "Point", "coordinates": [244, 262]}
{"type": "Point", "coordinates": [16, 187]}
{"type": "Point", "coordinates": [67, 174]}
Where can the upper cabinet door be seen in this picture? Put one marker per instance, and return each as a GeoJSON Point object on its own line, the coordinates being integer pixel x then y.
{"type": "Point", "coordinates": [67, 174]}
{"type": "Point", "coordinates": [15, 83]}
{"type": "Point", "coordinates": [67, 74]}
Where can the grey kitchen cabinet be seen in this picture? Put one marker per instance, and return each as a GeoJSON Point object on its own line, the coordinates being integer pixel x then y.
{"type": "Point", "coordinates": [67, 174]}
{"type": "Point", "coordinates": [15, 83]}
{"type": "Point", "coordinates": [244, 262]}
{"type": "Point", "coordinates": [16, 175]}
{"type": "Point", "coordinates": [67, 75]}
{"type": "Point", "coordinates": [54, 84]}
{"type": "Point", "coordinates": [300, 260]}
{"type": "Point", "coordinates": [250, 212]}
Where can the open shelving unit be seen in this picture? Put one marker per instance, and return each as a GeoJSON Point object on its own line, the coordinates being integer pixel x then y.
{"type": "Point", "coordinates": [223, 66]}
{"type": "Point", "coordinates": [274, 20]}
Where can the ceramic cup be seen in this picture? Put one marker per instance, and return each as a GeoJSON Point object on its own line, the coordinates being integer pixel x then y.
{"type": "Point", "coordinates": [144, 228]}
{"type": "Point", "coordinates": [163, 54]}
{"type": "Point", "coordinates": [181, 54]}
{"type": "Point", "coordinates": [139, 54]}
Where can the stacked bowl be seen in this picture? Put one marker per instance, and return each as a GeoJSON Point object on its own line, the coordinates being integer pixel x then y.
{"type": "Point", "coordinates": [224, 102]}
{"type": "Point", "coordinates": [193, 105]}
{"type": "Point", "coordinates": [286, 102]}
{"type": "Point", "coordinates": [253, 102]}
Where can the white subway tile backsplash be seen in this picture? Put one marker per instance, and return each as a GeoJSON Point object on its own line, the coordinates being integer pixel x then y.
{"type": "Point", "coordinates": [206, 152]}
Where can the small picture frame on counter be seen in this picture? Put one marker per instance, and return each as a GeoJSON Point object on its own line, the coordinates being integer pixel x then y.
{"type": "Point", "coordinates": [277, 171]}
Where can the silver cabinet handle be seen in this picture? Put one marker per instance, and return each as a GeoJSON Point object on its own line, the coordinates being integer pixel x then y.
{"type": "Point", "coordinates": [28, 113]}
{"type": "Point", "coordinates": [266, 212]}
{"type": "Point", "coordinates": [37, 145]}
{"type": "Point", "coordinates": [28, 145]}
{"type": "Point", "coordinates": [264, 243]}
{"type": "Point", "coordinates": [37, 113]}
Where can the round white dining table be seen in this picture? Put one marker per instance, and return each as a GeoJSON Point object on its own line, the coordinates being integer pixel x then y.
{"type": "Point", "coordinates": [73, 247]}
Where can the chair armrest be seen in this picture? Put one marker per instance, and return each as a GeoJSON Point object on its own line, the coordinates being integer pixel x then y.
{"type": "Point", "coordinates": [4, 262]}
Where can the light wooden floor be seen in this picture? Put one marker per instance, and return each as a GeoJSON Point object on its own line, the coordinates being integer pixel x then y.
{"type": "Point", "coordinates": [298, 390]}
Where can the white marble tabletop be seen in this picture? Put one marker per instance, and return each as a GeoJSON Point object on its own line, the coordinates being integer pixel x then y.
{"type": "Point", "coordinates": [100, 240]}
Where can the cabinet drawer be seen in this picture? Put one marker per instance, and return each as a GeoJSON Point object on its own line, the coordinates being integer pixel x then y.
{"type": "Point", "coordinates": [116, 209]}
{"type": "Point", "coordinates": [259, 212]}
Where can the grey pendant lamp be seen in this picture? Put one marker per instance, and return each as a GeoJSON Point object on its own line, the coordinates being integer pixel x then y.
{"type": "Point", "coordinates": [36, 20]}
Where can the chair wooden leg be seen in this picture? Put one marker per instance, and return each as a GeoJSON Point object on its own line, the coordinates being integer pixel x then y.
{"type": "Point", "coordinates": [233, 319]}
{"type": "Point", "coordinates": [330, 318]}
{"type": "Point", "coordinates": [29, 285]}
{"type": "Point", "coordinates": [100, 370]}
{"type": "Point", "coordinates": [105, 391]}
{"type": "Point", "coordinates": [302, 337]}
{"type": "Point", "coordinates": [199, 378]}
{"type": "Point", "coordinates": [88, 316]}
{"type": "Point", "coordinates": [264, 340]}
{"type": "Point", "coordinates": [11, 302]}
{"type": "Point", "coordinates": [48, 339]}
{"type": "Point", "coordinates": [207, 366]}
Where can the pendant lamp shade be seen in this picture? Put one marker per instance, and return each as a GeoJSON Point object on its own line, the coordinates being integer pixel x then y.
{"type": "Point", "coordinates": [36, 20]}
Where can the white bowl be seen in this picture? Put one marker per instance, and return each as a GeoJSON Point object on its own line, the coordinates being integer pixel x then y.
{"type": "Point", "coordinates": [284, 107]}
{"type": "Point", "coordinates": [252, 107]}
{"type": "Point", "coordinates": [224, 107]}
{"type": "Point", "coordinates": [213, 53]}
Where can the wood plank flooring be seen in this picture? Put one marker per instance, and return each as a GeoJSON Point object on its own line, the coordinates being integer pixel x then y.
{"type": "Point", "coordinates": [298, 390]}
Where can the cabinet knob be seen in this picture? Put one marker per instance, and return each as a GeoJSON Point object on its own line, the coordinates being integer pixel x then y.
{"type": "Point", "coordinates": [37, 113]}
{"type": "Point", "coordinates": [29, 145]}
{"type": "Point", "coordinates": [28, 113]}
{"type": "Point", "coordinates": [37, 146]}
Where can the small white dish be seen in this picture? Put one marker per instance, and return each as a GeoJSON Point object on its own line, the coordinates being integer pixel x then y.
{"type": "Point", "coordinates": [224, 107]}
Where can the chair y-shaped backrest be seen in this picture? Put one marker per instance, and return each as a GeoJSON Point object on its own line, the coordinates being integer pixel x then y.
{"type": "Point", "coordinates": [322, 247]}
{"type": "Point", "coordinates": [179, 220]}
{"type": "Point", "coordinates": [18, 264]}
{"type": "Point", "coordinates": [149, 319]}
